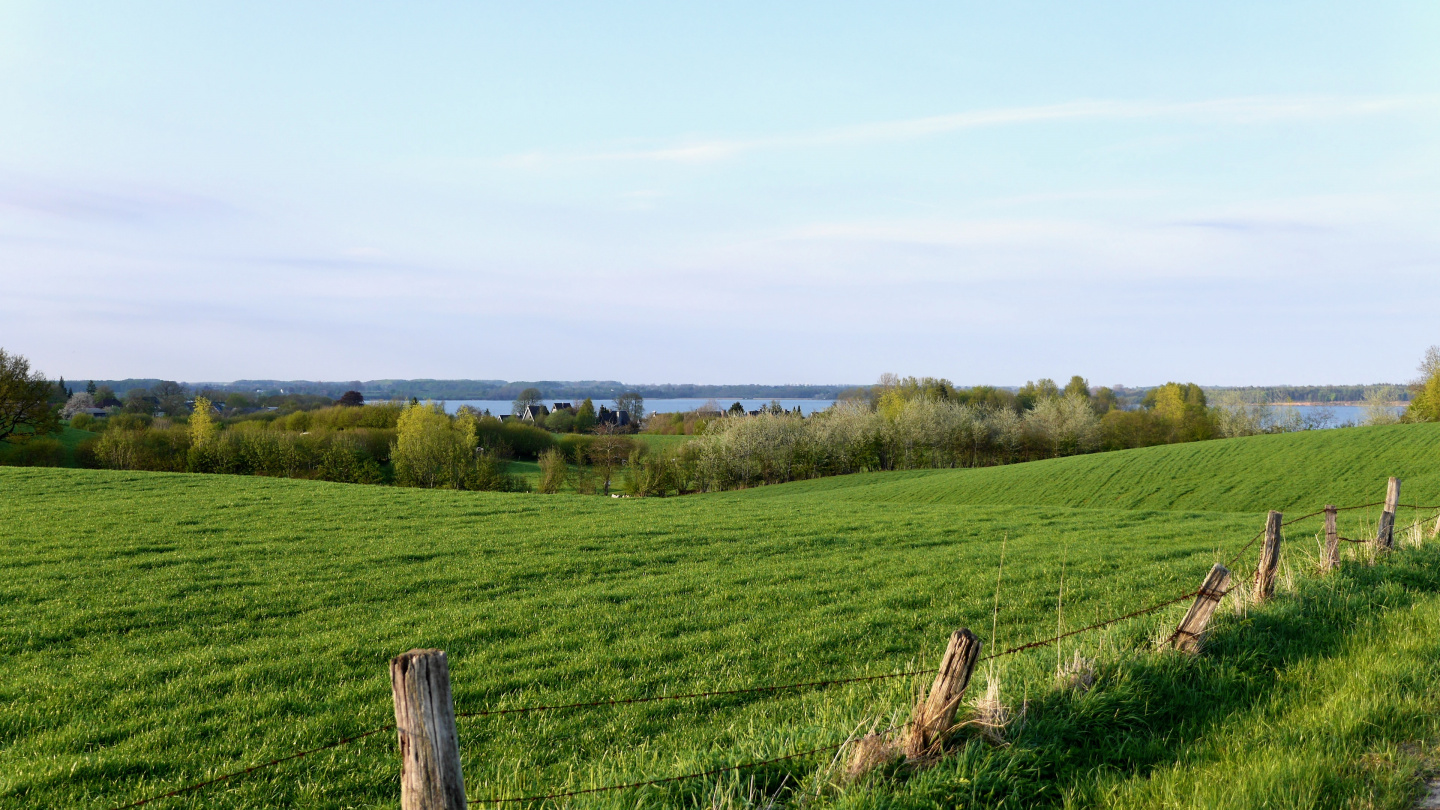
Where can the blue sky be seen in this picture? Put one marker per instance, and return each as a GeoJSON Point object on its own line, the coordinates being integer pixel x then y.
{"type": "Point", "coordinates": [1228, 193]}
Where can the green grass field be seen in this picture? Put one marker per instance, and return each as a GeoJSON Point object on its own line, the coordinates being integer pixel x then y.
{"type": "Point", "coordinates": [161, 629]}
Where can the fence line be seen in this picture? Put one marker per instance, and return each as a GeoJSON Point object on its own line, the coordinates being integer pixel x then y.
{"type": "Point", "coordinates": [721, 693]}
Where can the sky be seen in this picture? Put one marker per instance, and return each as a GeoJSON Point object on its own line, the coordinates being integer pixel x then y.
{"type": "Point", "coordinates": [1228, 193]}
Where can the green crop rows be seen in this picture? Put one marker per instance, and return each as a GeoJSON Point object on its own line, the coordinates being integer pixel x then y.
{"type": "Point", "coordinates": [160, 629]}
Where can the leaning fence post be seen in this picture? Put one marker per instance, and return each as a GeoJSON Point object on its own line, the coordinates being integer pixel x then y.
{"type": "Point", "coordinates": [936, 715]}
{"type": "Point", "coordinates": [1191, 631]}
{"type": "Point", "coordinates": [1269, 558]}
{"type": "Point", "coordinates": [1435, 532]}
{"type": "Point", "coordinates": [1332, 539]}
{"type": "Point", "coordinates": [1385, 537]}
{"type": "Point", "coordinates": [430, 777]}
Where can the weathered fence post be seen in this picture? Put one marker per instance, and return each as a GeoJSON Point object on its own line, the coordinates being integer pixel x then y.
{"type": "Point", "coordinates": [1332, 539]}
{"type": "Point", "coordinates": [1385, 537]}
{"type": "Point", "coordinates": [1191, 631]}
{"type": "Point", "coordinates": [935, 716]}
{"type": "Point", "coordinates": [1435, 532]}
{"type": "Point", "coordinates": [430, 777]}
{"type": "Point", "coordinates": [1269, 559]}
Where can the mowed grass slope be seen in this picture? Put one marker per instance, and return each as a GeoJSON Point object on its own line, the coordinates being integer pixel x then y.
{"type": "Point", "coordinates": [161, 629]}
{"type": "Point", "coordinates": [1289, 471]}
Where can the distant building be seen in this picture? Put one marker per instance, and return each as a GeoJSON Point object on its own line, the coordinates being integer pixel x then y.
{"type": "Point", "coordinates": [609, 417]}
{"type": "Point", "coordinates": [533, 412]}
{"type": "Point", "coordinates": [98, 413]}
{"type": "Point", "coordinates": [563, 406]}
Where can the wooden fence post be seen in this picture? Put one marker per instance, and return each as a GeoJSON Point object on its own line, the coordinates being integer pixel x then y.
{"type": "Point", "coordinates": [936, 715]}
{"type": "Point", "coordinates": [1435, 532]}
{"type": "Point", "coordinates": [430, 777]}
{"type": "Point", "coordinates": [1269, 559]}
{"type": "Point", "coordinates": [1332, 539]}
{"type": "Point", "coordinates": [1385, 537]}
{"type": "Point", "coordinates": [1191, 631]}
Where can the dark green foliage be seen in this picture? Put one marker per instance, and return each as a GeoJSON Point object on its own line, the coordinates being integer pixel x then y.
{"type": "Point", "coordinates": [513, 437]}
{"type": "Point", "coordinates": [585, 417]}
{"type": "Point", "coordinates": [26, 409]}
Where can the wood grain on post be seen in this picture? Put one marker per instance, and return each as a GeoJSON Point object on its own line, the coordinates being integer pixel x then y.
{"type": "Point", "coordinates": [1385, 537]}
{"type": "Point", "coordinates": [1191, 632]}
{"type": "Point", "coordinates": [1269, 558]}
{"type": "Point", "coordinates": [430, 777]}
{"type": "Point", "coordinates": [1332, 539]}
{"type": "Point", "coordinates": [936, 715]}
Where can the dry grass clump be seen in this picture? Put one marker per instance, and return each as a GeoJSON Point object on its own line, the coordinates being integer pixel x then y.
{"type": "Point", "coordinates": [1076, 675]}
{"type": "Point", "coordinates": [874, 751]}
{"type": "Point", "coordinates": [992, 717]}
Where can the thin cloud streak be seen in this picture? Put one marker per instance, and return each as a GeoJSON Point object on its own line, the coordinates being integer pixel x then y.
{"type": "Point", "coordinates": [1249, 110]}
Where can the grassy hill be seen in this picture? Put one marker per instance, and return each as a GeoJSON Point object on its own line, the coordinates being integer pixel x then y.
{"type": "Point", "coordinates": [160, 629]}
{"type": "Point", "coordinates": [1287, 471]}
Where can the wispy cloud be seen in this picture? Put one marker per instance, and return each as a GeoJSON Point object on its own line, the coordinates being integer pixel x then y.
{"type": "Point", "coordinates": [1240, 111]}
{"type": "Point", "coordinates": [127, 205]}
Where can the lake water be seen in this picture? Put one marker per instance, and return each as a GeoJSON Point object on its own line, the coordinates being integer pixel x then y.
{"type": "Point", "coordinates": [807, 406]}
{"type": "Point", "coordinates": [1339, 415]}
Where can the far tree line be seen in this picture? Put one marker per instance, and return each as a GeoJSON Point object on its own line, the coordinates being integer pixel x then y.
{"type": "Point", "coordinates": [899, 423]}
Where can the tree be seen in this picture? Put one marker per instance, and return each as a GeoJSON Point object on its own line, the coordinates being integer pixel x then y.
{"type": "Point", "coordinates": [202, 424]}
{"type": "Point", "coordinates": [585, 417]}
{"type": "Point", "coordinates": [138, 400]}
{"type": "Point", "coordinates": [352, 399]}
{"type": "Point", "coordinates": [105, 397]}
{"type": "Point", "coordinates": [427, 449]}
{"type": "Point", "coordinates": [1379, 405]}
{"type": "Point", "coordinates": [1077, 387]}
{"type": "Point", "coordinates": [607, 453]}
{"type": "Point", "coordinates": [1425, 399]}
{"type": "Point", "coordinates": [1104, 401]}
{"type": "Point", "coordinates": [90, 388]}
{"type": "Point", "coordinates": [736, 410]}
{"type": "Point", "coordinates": [25, 407]}
{"type": "Point", "coordinates": [76, 404]}
{"type": "Point", "coordinates": [528, 397]}
{"type": "Point", "coordinates": [169, 397]}
{"type": "Point", "coordinates": [633, 404]}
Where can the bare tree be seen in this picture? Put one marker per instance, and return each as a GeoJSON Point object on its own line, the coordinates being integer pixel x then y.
{"type": "Point", "coordinates": [25, 408]}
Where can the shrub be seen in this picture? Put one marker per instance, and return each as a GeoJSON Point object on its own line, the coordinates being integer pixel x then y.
{"type": "Point", "coordinates": [39, 452]}
{"type": "Point", "coordinates": [512, 437]}
{"type": "Point", "coordinates": [82, 421]}
{"type": "Point", "coordinates": [574, 445]}
{"type": "Point", "coordinates": [553, 471]}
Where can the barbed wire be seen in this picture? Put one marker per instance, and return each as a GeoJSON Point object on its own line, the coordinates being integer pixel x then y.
{"type": "Point", "coordinates": [690, 695]}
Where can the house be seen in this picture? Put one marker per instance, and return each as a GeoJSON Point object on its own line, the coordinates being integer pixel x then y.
{"type": "Point", "coordinates": [563, 406]}
{"type": "Point", "coordinates": [98, 413]}
{"type": "Point", "coordinates": [534, 412]}
{"type": "Point", "coordinates": [609, 417]}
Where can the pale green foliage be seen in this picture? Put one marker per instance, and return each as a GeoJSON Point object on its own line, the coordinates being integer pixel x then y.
{"type": "Point", "coordinates": [1066, 424]}
{"type": "Point", "coordinates": [202, 424]}
{"type": "Point", "coordinates": [553, 471]}
{"type": "Point", "coordinates": [1425, 404]}
{"type": "Point", "coordinates": [429, 451]}
{"type": "Point", "coordinates": [1379, 406]}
